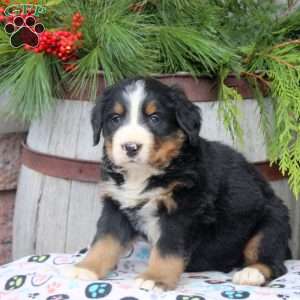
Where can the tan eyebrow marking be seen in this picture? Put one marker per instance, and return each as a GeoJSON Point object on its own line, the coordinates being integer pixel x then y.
{"type": "Point", "coordinates": [119, 108]}
{"type": "Point", "coordinates": [151, 108]}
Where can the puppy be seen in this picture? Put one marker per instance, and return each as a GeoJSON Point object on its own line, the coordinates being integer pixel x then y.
{"type": "Point", "coordinates": [200, 204]}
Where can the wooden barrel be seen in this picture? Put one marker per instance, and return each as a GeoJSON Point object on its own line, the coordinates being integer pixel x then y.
{"type": "Point", "coordinates": [57, 203]}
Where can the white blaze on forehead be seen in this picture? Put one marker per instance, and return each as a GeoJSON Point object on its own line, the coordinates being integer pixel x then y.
{"type": "Point", "coordinates": [135, 94]}
{"type": "Point", "coordinates": [132, 131]}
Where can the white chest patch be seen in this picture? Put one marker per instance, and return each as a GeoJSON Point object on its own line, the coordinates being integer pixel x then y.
{"type": "Point", "coordinates": [148, 221]}
{"type": "Point", "coordinates": [131, 193]}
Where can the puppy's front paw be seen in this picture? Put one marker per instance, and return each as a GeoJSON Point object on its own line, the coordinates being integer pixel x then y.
{"type": "Point", "coordinates": [145, 284]}
{"type": "Point", "coordinates": [79, 273]}
{"type": "Point", "coordinates": [249, 276]}
{"type": "Point", "coordinates": [149, 282]}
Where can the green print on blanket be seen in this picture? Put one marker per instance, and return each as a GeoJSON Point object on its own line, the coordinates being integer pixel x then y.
{"type": "Point", "coordinates": [15, 282]}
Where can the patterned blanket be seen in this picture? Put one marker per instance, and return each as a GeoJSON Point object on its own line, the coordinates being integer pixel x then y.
{"type": "Point", "coordinates": [40, 278]}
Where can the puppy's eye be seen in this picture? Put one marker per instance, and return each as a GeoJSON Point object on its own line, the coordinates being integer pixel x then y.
{"type": "Point", "coordinates": [116, 119]}
{"type": "Point", "coordinates": [154, 119]}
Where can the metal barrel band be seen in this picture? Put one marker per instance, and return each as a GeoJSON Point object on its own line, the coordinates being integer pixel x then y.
{"type": "Point", "coordinates": [61, 167]}
{"type": "Point", "coordinates": [90, 171]}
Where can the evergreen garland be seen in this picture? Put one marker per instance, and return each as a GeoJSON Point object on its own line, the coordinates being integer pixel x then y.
{"type": "Point", "coordinates": [115, 41]}
{"type": "Point", "coordinates": [282, 67]}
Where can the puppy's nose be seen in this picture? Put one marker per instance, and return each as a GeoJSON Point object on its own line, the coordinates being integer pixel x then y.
{"type": "Point", "coordinates": [131, 149]}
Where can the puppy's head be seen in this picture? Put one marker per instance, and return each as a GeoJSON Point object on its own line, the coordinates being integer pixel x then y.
{"type": "Point", "coordinates": [144, 122]}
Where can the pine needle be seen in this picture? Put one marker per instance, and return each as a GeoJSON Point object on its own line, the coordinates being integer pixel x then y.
{"type": "Point", "coordinates": [114, 41]}
{"type": "Point", "coordinates": [228, 109]}
{"type": "Point", "coordinates": [281, 64]}
{"type": "Point", "coordinates": [31, 84]}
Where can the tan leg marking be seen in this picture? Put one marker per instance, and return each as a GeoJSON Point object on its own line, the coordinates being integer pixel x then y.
{"type": "Point", "coordinates": [264, 269]}
{"type": "Point", "coordinates": [162, 272]}
{"type": "Point", "coordinates": [255, 273]}
{"type": "Point", "coordinates": [102, 257]}
{"type": "Point", "coordinates": [252, 248]}
{"type": "Point", "coordinates": [252, 258]}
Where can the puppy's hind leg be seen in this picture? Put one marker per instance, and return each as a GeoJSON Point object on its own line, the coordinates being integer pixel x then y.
{"type": "Point", "coordinates": [265, 252]}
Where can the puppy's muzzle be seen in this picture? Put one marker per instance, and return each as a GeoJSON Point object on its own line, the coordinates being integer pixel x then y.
{"type": "Point", "coordinates": [131, 149]}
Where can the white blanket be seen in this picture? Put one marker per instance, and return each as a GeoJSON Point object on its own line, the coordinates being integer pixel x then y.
{"type": "Point", "coordinates": [40, 278]}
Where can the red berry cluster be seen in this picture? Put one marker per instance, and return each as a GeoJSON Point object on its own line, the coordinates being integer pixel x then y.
{"type": "Point", "coordinates": [61, 43]}
{"type": "Point", "coordinates": [77, 21]}
{"type": "Point", "coordinates": [3, 18]}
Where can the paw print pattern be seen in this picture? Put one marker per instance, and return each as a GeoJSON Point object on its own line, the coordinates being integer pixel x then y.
{"type": "Point", "coordinates": [81, 252]}
{"type": "Point", "coordinates": [24, 31]}
{"type": "Point", "coordinates": [38, 258]}
{"type": "Point", "coordinates": [197, 276]}
{"type": "Point", "coordinates": [33, 295]}
{"type": "Point", "coordinates": [53, 287]}
{"type": "Point", "coordinates": [213, 281]}
{"type": "Point", "coordinates": [185, 297]}
{"type": "Point", "coordinates": [235, 294]}
{"type": "Point", "coordinates": [39, 279]}
{"type": "Point", "coordinates": [297, 273]}
{"type": "Point", "coordinates": [277, 285]}
{"type": "Point", "coordinates": [97, 290]}
{"type": "Point", "coordinates": [15, 282]}
{"type": "Point", "coordinates": [283, 297]}
{"type": "Point", "coordinates": [129, 298]}
{"type": "Point", "coordinates": [58, 297]}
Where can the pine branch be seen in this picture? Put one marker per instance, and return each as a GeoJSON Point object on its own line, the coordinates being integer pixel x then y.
{"type": "Point", "coordinates": [282, 68]}
{"type": "Point", "coordinates": [114, 41]}
{"type": "Point", "coordinates": [30, 81]}
{"type": "Point", "coordinates": [228, 109]}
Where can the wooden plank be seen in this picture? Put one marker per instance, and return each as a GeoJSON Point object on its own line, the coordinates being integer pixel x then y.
{"type": "Point", "coordinates": [54, 208]}
{"type": "Point", "coordinates": [84, 211]}
{"type": "Point", "coordinates": [282, 189]}
{"type": "Point", "coordinates": [214, 130]}
{"type": "Point", "coordinates": [52, 216]}
{"type": "Point", "coordinates": [29, 193]}
{"type": "Point", "coordinates": [64, 137]}
{"type": "Point", "coordinates": [85, 206]}
{"type": "Point", "coordinates": [40, 132]}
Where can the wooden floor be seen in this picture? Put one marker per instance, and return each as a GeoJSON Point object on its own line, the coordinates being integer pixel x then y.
{"type": "Point", "coordinates": [7, 201]}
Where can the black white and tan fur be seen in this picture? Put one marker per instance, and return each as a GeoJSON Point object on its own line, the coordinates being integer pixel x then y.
{"type": "Point", "coordinates": [200, 204]}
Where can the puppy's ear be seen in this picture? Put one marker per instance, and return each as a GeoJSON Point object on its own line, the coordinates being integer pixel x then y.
{"type": "Point", "coordinates": [97, 120]}
{"type": "Point", "coordinates": [188, 115]}
{"type": "Point", "coordinates": [98, 114]}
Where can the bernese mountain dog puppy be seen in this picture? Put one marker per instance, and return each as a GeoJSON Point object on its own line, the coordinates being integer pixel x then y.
{"type": "Point", "coordinates": [200, 204]}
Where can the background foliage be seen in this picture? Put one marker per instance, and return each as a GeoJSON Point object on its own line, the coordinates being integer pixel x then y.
{"type": "Point", "coordinates": [256, 40]}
